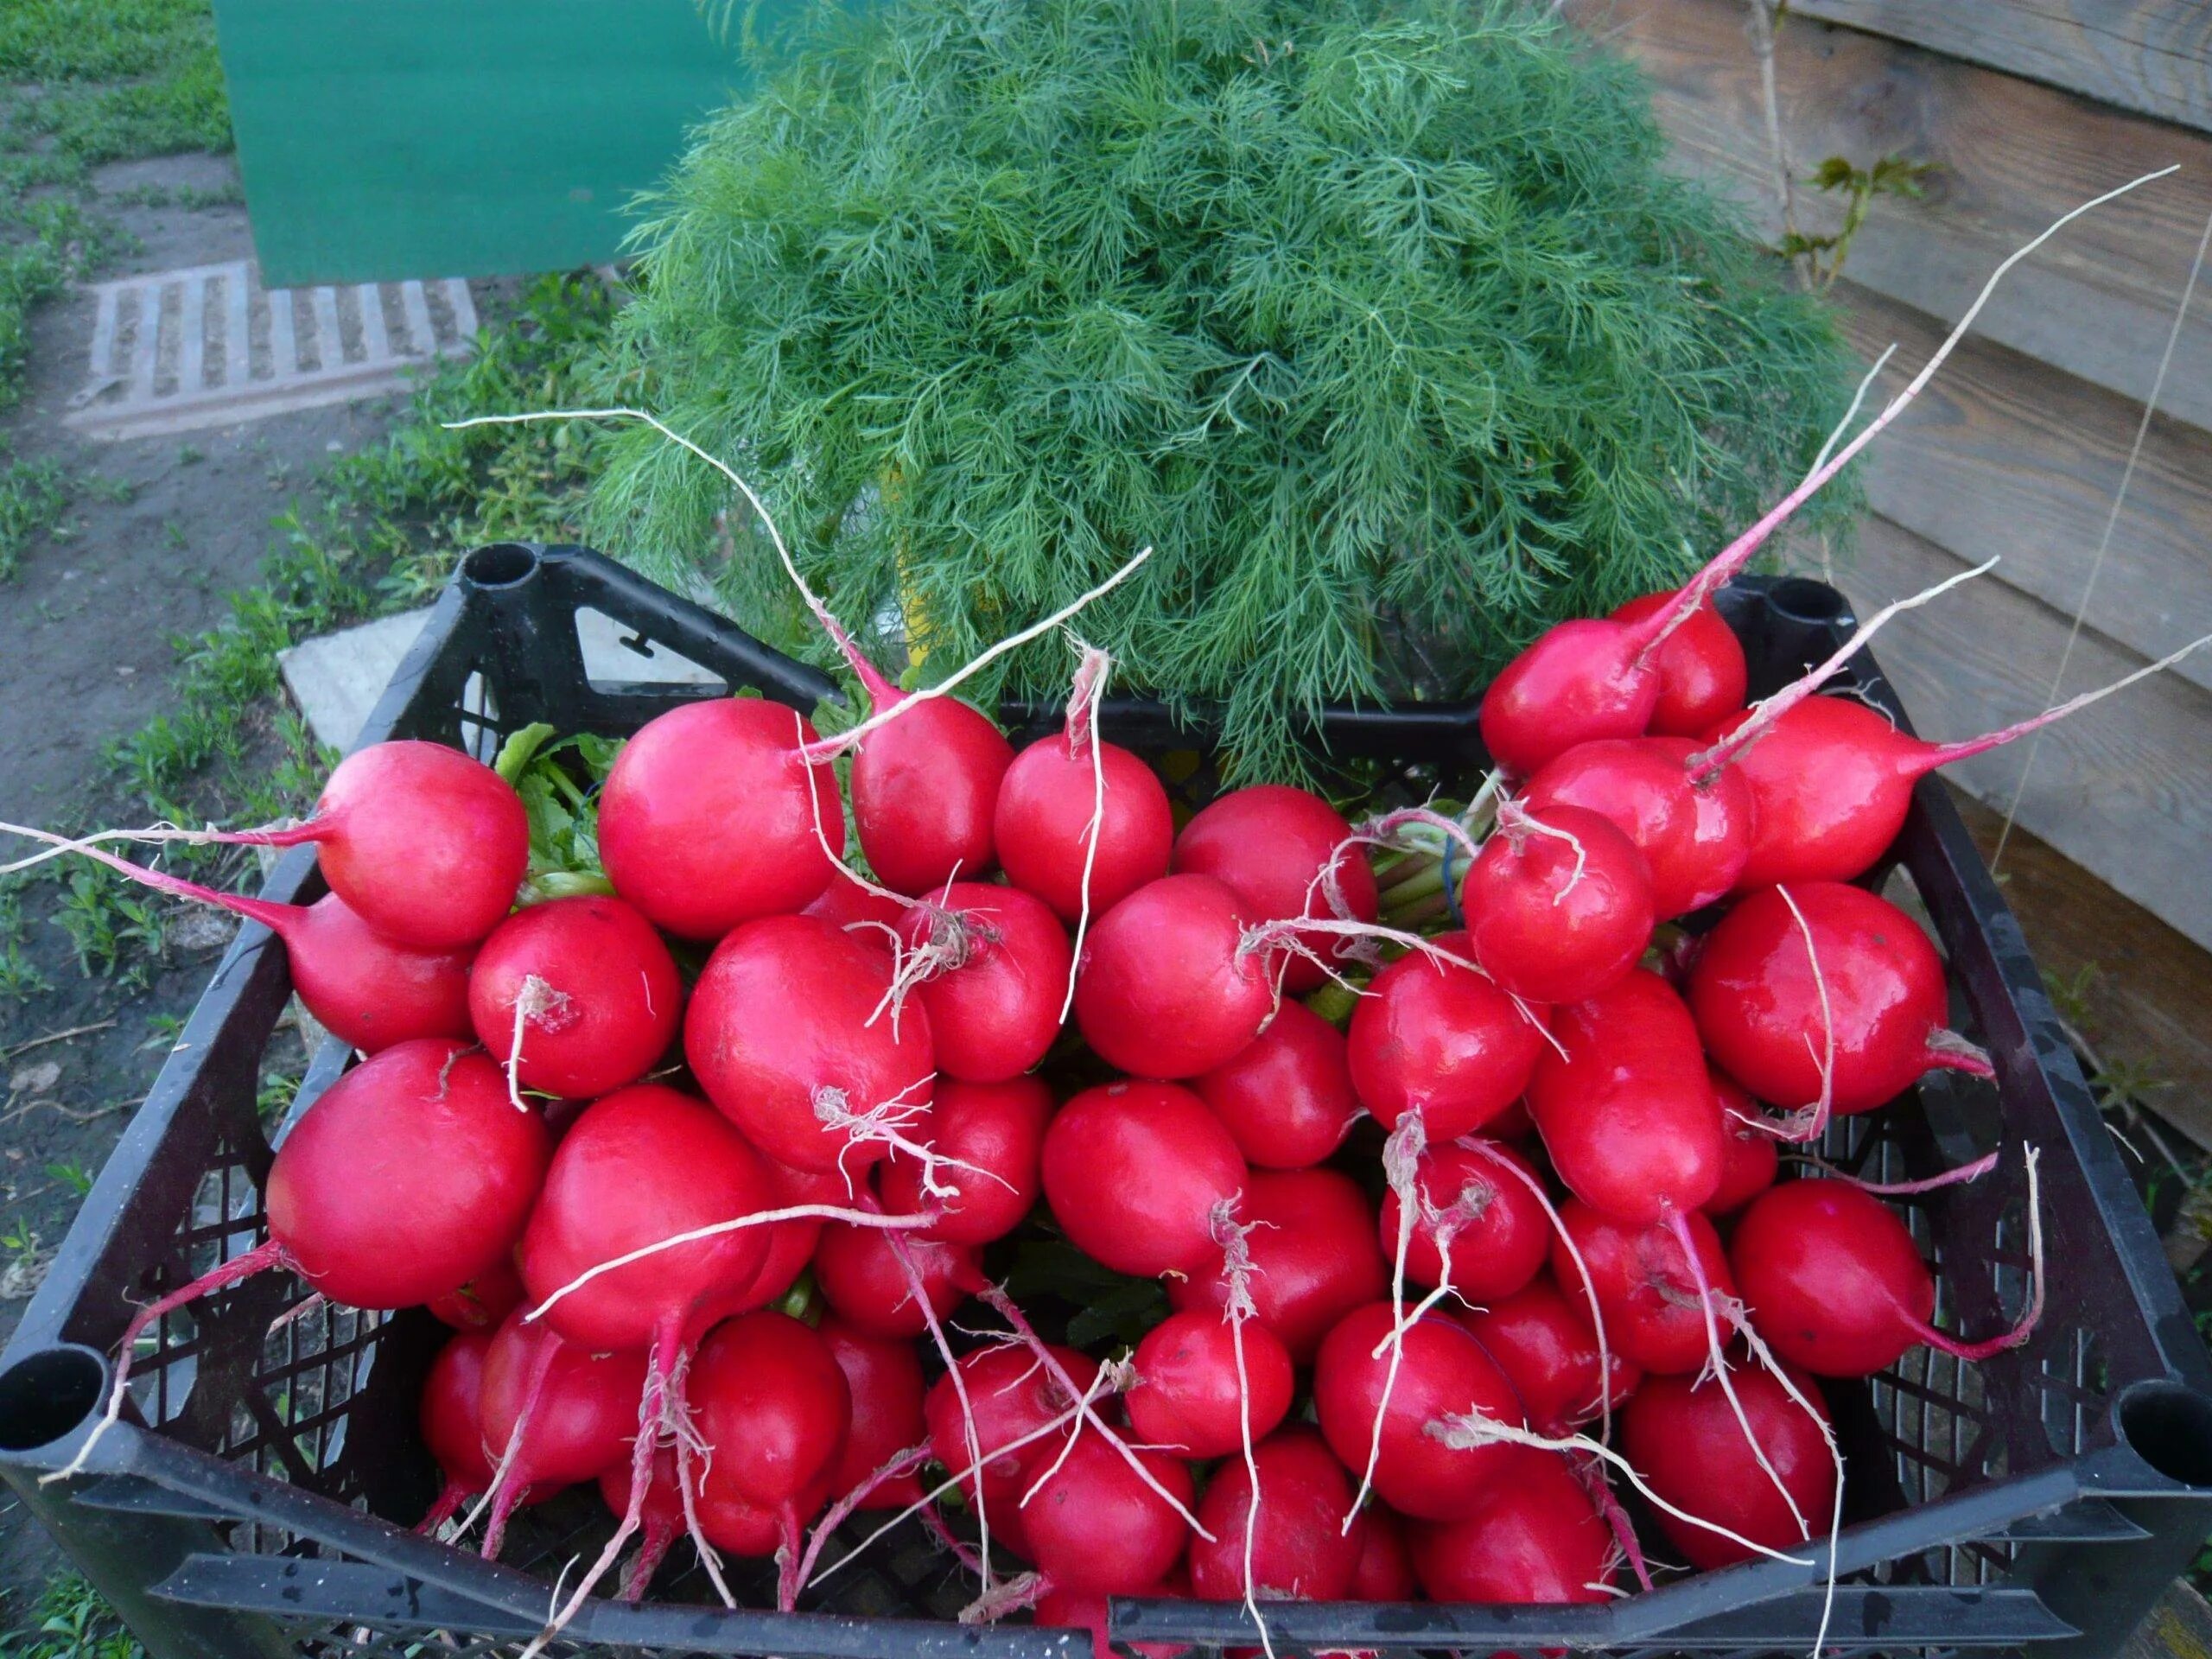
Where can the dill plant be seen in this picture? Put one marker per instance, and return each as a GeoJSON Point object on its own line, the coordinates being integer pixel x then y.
{"type": "Point", "coordinates": [1378, 319]}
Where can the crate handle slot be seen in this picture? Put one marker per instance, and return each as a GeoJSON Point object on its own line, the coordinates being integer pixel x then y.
{"type": "Point", "coordinates": [2168, 1426]}
{"type": "Point", "coordinates": [48, 1394]}
{"type": "Point", "coordinates": [499, 564]}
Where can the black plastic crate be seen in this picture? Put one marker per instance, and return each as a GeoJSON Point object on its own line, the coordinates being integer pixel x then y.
{"type": "Point", "coordinates": [259, 1504]}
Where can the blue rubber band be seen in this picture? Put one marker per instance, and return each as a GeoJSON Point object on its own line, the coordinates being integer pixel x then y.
{"type": "Point", "coordinates": [1451, 887]}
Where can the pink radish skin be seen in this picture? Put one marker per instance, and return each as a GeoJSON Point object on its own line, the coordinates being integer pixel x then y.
{"type": "Point", "coordinates": [450, 1415]}
{"type": "Point", "coordinates": [791, 1244]}
{"type": "Point", "coordinates": [484, 1301]}
{"type": "Point", "coordinates": [1688, 1445]}
{"type": "Point", "coordinates": [582, 1416]}
{"type": "Point", "coordinates": [854, 909]}
{"type": "Point", "coordinates": [771, 1400]}
{"type": "Point", "coordinates": [1751, 1154]}
{"type": "Point", "coordinates": [709, 818]}
{"type": "Point", "coordinates": [1300, 1551]}
{"type": "Point", "coordinates": [1094, 1527]}
{"type": "Point", "coordinates": [1167, 987]}
{"type": "Point", "coordinates": [1498, 1233]}
{"type": "Point", "coordinates": [606, 1005]}
{"type": "Point", "coordinates": [995, 1014]}
{"type": "Point", "coordinates": [1385, 1571]}
{"type": "Point", "coordinates": [663, 1522]}
{"type": "Point", "coordinates": [1187, 1400]}
{"type": "Point", "coordinates": [1695, 833]}
{"type": "Point", "coordinates": [1314, 1257]}
{"type": "Point", "coordinates": [926, 787]}
{"type": "Point", "coordinates": [1579, 680]}
{"type": "Point", "coordinates": [737, 1527]}
{"type": "Point", "coordinates": [1441, 1040]}
{"type": "Point", "coordinates": [1287, 1097]}
{"type": "Point", "coordinates": [883, 1376]}
{"type": "Point", "coordinates": [1758, 1006]}
{"type": "Point", "coordinates": [996, 1130]}
{"type": "Point", "coordinates": [1068, 1609]}
{"type": "Point", "coordinates": [1013, 1397]}
{"type": "Point", "coordinates": [1629, 1116]}
{"type": "Point", "coordinates": [778, 1036]}
{"type": "Point", "coordinates": [1537, 1538]}
{"type": "Point", "coordinates": [1702, 674]}
{"type": "Point", "coordinates": [858, 1273]}
{"type": "Point", "coordinates": [1444, 1372]}
{"type": "Point", "coordinates": [1542, 1338]}
{"type": "Point", "coordinates": [1644, 1287]}
{"type": "Point", "coordinates": [1554, 921]}
{"type": "Point", "coordinates": [1042, 825]}
{"type": "Point", "coordinates": [1269, 843]}
{"type": "Point", "coordinates": [1134, 1171]}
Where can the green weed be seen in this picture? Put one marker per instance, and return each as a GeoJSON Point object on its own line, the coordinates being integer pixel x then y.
{"type": "Point", "coordinates": [74, 1176]}
{"type": "Point", "coordinates": [109, 920]}
{"type": "Point", "coordinates": [32, 496]}
{"type": "Point", "coordinates": [71, 1621]}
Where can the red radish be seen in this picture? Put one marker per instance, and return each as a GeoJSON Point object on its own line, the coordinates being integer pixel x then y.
{"type": "Point", "coordinates": [1535, 1538]}
{"type": "Point", "coordinates": [1000, 961]}
{"type": "Point", "coordinates": [1498, 1234]}
{"type": "Point", "coordinates": [1012, 1397]}
{"type": "Point", "coordinates": [1559, 905]}
{"type": "Point", "coordinates": [1683, 1437]}
{"type": "Point", "coordinates": [857, 909]}
{"type": "Point", "coordinates": [993, 1137]}
{"type": "Point", "coordinates": [1169, 986]}
{"type": "Point", "coordinates": [925, 786]}
{"type": "Point", "coordinates": [1186, 1399]}
{"type": "Point", "coordinates": [1751, 1155]}
{"type": "Point", "coordinates": [1284, 853]}
{"type": "Point", "coordinates": [1443, 1372]}
{"type": "Point", "coordinates": [858, 1272]}
{"type": "Point", "coordinates": [1286, 1097]}
{"type": "Point", "coordinates": [1836, 1284]}
{"type": "Point", "coordinates": [1043, 824]}
{"type": "Point", "coordinates": [1695, 831]}
{"type": "Point", "coordinates": [1628, 1116]}
{"type": "Point", "coordinates": [554, 1414]}
{"type": "Point", "coordinates": [884, 1378]}
{"type": "Point", "coordinates": [1440, 1040]}
{"type": "Point", "coordinates": [1579, 680]}
{"type": "Point", "coordinates": [577, 996]}
{"type": "Point", "coordinates": [738, 1527]}
{"type": "Point", "coordinates": [1701, 667]}
{"type": "Point", "coordinates": [791, 1036]}
{"type": "Point", "coordinates": [1314, 1257]}
{"type": "Point", "coordinates": [1070, 1609]}
{"type": "Point", "coordinates": [664, 1521]}
{"type": "Point", "coordinates": [791, 1244]}
{"type": "Point", "coordinates": [1299, 1550]}
{"type": "Point", "coordinates": [1385, 1571]}
{"type": "Point", "coordinates": [1542, 1338]}
{"type": "Point", "coordinates": [484, 1301]}
{"type": "Point", "coordinates": [450, 1415]}
{"type": "Point", "coordinates": [1644, 1287]}
{"type": "Point", "coordinates": [1133, 1171]}
{"type": "Point", "coordinates": [771, 1398]}
{"type": "Point", "coordinates": [1093, 1526]}
{"type": "Point", "coordinates": [1768, 994]}
{"type": "Point", "coordinates": [710, 819]}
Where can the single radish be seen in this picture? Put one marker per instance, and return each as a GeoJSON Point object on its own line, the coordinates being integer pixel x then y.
{"type": "Point", "coordinates": [866, 911]}
{"type": "Point", "coordinates": [1685, 1440]}
{"type": "Point", "coordinates": [1169, 984]}
{"type": "Point", "coordinates": [770, 1397]}
{"type": "Point", "coordinates": [1694, 830]}
{"type": "Point", "coordinates": [1751, 1154]}
{"type": "Point", "coordinates": [1440, 1038]}
{"type": "Point", "coordinates": [859, 1273]}
{"type": "Point", "coordinates": [710, 819]}
{"type": "Point", "coordinates": [484, 1301]}
{"type": "Point", "coordinates": [992, 1135]}
{"type": "Point", "coordinates": [1442, 1371]}
{"type": "Point", "coordinates": [450, 1415]}
{"type": "Point", "coordinates": [1314, 1257]}
{"type": "Point", "coordinates": [1700, 668]}
{"type": "Point", "coordinates": [664, 1521]}
{"type": "Point", "coordinates": [1287, 853]}
{"type": "Point", "coordinates": [1299, 1550]}
{"type": "Point", "coordinates": [1093, 1526]}
{"type": "Point", "coordinates": [1286, 1097]}
{"type": "Point", "coordinates": [1187, 1400]}
{"type": "Point", "coordinates": [1134, 1171]}
{"type": "Point", "coordinates": [999, 960]}
{"type": "Point", "coordinates": [1385, 1569]}
{"type": "Point", "coordinates": [1579, 680]}
{"type": "Point", "coordinates": [1836, 1284]}
{"type": "Point", "coordinates": [1559, 904]}
{"type": "Point", "coordinates": [1496, 1232]}
{"type": "Point", "coordinates": [791, 1036]}
{"type": "Point", "coordinates": [925, 786]}
{"type": "Point", "coordinates": [576, 996]}
{"type": "Point", "coordinates": [1858, 980]}
{"type": "Point", "coordinates": [1542, 1338]}
{"type": "Point", "coordinates": [883, 1376]}
{"type": "Point", "coordinates": [1048, 816]}
{"type": "Point", "coordinates": [1012, 1397]}
{"type": "Point", "coordinates": [1629, 1114]}
{"type": "Point", "coordinates": [554, 1414]}
{"type": "Point", "coordinates": [1644, 1285]}
{"type": "Point", "coordinates": [1537, 1538]}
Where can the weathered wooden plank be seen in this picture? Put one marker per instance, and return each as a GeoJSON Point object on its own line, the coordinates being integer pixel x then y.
{"type": "Point", "coordinates": [2124, 788]}
{"type": "Point", "coordinates": [2097, 302]}
{"type": "Point", "coordinates": [2154, 56]}
{"type": "Point", "coordinates": [2003, 456]}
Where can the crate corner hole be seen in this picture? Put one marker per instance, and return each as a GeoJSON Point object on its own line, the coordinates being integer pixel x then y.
{"type": "Point", "coordinates": [2168, 1426]}
{"type": "Point", "coordinates": [47, 1394]}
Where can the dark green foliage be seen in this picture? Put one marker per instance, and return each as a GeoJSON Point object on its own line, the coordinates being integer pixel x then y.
{"type": "Point", "coordinates": [1379, 321]}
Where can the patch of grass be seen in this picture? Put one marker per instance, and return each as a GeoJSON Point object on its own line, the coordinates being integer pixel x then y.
{"type": "Point", "coordinates": [115, 80]}
{"type": "Point", "coordinates": [111, 922]}
{"type": "Point", "coordinates": [32, 496]}
{"type": "Point", "coordinates": [44, 245]}
{"type": "Point", "coordinates": [70, 1621]}
{"type": "Point", "coordinates": [18, 977]}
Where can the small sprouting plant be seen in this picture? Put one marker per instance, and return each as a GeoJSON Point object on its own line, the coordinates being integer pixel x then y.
{"type": "Point", "coordinates": [1892, 176]}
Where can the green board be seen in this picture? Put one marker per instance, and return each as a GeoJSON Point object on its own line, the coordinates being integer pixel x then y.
{"type": "Point", "coordinates": [386, 139]}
